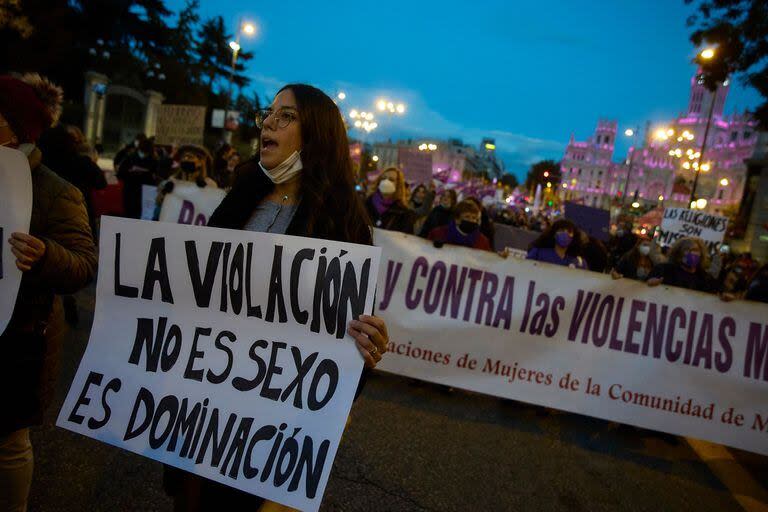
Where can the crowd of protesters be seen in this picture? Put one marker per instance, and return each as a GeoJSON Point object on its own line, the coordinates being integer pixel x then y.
{"type": "Point", "coordinates": [296, 186]}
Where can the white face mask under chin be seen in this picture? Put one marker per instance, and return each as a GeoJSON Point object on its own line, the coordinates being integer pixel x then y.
{"type": "Point", "coordinates": [285, 171]}
{"type": "Point", "coordinates": [27, 149]}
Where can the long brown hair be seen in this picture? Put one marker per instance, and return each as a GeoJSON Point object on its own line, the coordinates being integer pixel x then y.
{"type": "Point", "coordinates": [327, 179]}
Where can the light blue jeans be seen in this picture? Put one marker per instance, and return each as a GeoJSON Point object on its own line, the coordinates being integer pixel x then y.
{"type": "Point", "coordinates": [16, 463]}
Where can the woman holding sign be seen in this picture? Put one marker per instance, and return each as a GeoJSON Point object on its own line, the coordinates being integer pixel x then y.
{"type": "Point", "coordinates": [302, 184]}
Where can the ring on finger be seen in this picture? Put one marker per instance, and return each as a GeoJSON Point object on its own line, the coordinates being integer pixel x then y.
{"type": "Point", "coordinates": [374, 351]}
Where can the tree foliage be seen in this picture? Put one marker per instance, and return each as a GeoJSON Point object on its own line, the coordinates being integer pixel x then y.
{"type": "Point", "coordinates": [536, 174]}
{"type": "Point", "coordinates": [739, 29]}
{"type": "Point", "coordinates": [138, 43]}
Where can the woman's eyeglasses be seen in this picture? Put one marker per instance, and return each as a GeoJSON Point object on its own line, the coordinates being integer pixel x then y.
{"type": "Point", "coordinates": [283, 116]}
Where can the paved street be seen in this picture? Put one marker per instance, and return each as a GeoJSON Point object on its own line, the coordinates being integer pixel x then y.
{"type": "Point", "coordinates": [416, 448]}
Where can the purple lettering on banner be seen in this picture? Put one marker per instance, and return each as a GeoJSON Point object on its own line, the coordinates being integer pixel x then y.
{"type": "Point", "coordinates": [634, 326]}
{"type": "Point", "coordinates": [654, 329]}
{"type": "Point", "coordinates": [434, 288]}
{"type": "Point", "coordinates": [582, 304]}
{"type": "Point", "coordinates": [504, 309]}
{"type": "Point", "coordinates": [487, 291]}
{"type": "Point", "coordinates": [724, 359]}
{"type": "Point", "coordinates": [453, 289]}
{"type": "Point", "coordinates": [704, 345]}
{"type": "Point", "coordinates": [756, 360]}
{"type": "Point", "coordinates": [474, 277]}
{"type": "Point", "coordinates": [200, 220]}
{"type": "Point", "coordinates": [412, 295]}
{"type": "Point", "coordinates": [616, 343]}
{"type": "Point", "coordinates": [187, 212]}
{"type": "Point", "coordinates": [689, 338]}
{"type": "Point", "coordinates": [677, 316]}
{"type": "Point", "coordinates": [393, 272]}
{"type": "Point", "coordinates": [600, 336]}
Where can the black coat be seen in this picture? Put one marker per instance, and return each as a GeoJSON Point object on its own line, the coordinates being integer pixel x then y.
{"type": "Point", "coordinates": [438, 217]}
{"type": "Point", "coordinates": [397, 218]}
{"type": "Point", "coordinates": [251, 187]}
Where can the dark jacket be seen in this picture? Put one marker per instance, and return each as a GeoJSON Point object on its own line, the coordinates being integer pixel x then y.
{"type": "Point", "coordinates": [439, 216]}
{"type": "Point", "coordinates": [250, 188]}
{"type": "Point", "coordinates": [32, 340]}
{"type": "Point", "coordinates": [134, 172]}
{"type": "Point", "coordinates": [397, 218]}
{"type": "Point", "coordinates": [80, 171]}
{"type": "Point", "coordinates": [673, 275]}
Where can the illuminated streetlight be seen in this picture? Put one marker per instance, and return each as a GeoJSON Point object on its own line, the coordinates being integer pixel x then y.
{"type": "Point", "coordinates": [400, 108]}
{"type": "Point", "coordinates": [705, 167]}
{"type": "Point", "coordinates": [342, 95]}
{"type": "Point", "coordinates": [381, 105]}
{"type": "Point", "coordinates": [353, 114]}
{"type": "Point", "coordinates": [375, 158]}
{"type": "Point", "coordinates": [707, 53]}
{"type": "Point", "coordinates": [670, 132]}
{"type": "Point", "coordinates": [565, 185]}
{"type": "Point", "coordinates": [432, 147]}
{"type": "Point", "coordinates": [358, 123]}
{"type": "Point", "coordinates": [724, 182]}
{"type": "Point", "coordinates": [635, 205]}
{"type": "Point", "coordinates": [549, 184]}
{"type": "Point", "coordinates": [661, 198]}
{"type": "Point", "coordinates": [235, 46]}
{"type": "Point", "coordinates": [701, 203]}
{"type": "Point", "coordinates": [249, 29]}
{"type": "Point", "coordinates": [629, 132]}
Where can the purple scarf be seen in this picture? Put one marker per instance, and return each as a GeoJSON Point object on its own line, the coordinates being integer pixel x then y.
{"type": "Point", "coordinates": [456, 237]}
{"type": "Point", "coordinates": [380, 203]}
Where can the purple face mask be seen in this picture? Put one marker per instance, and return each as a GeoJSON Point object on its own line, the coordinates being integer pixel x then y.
{"type": "Point", "coordinates": [691, 260]}
{"type": "Point", "coordinates": [563, 238]}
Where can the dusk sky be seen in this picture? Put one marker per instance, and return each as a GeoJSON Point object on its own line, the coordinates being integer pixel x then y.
{"type": "Point", "coordinates": [527, 73]}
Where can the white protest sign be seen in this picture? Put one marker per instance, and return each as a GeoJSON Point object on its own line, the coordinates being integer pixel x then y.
{"type": "Point", "coordinates": [661, 358]}
{"type": "Point", "coordinates": [148, 201]}
{"type": "Point", "coordinates": [224, 353]}
{"type": "Point", "coordinates": [680, 222]}
{"type": "Point", "coordinates": [15, 213]}
{"type": "Point", "coordinates": [190, 204]}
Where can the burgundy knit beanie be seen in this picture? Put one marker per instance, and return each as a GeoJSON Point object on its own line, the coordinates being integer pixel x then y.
{"type": "Point", "coordinates": [30, 103]}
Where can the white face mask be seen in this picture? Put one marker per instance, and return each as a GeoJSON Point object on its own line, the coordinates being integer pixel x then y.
{"type": "Point", "coordinates": [283, 172]}
{"type": "Point", "coordinates": [645, 250]}
{"type": "Point", "coordinates": [386, 187]}
{"type": "Point", "coordinates": [26, 148]}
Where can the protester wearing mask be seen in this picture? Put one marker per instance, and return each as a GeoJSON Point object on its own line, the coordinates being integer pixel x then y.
{"type": "Point", "coordinates": [463, 229]}
{"type": "Point", "coordinates": [685, 267]}
{"type": "Point", "coordinates": [387, 206]}
{"type": "Point", "coordinates": [486, 224]}
{"type": "Point", "coordinates": [302, 184]}
{"type": "Point", "coordinates": [421, 204]}
{"type": "Point", "coordinates": [560, 244]}
{"type": "Point", "coordinates": [57, 256]}
{"type": "Point", "coordinates": [441, 214]}
{"type": "Point", "coordinates": [638, 263]}
{"type": "Point", "coordinates": [137, 169]}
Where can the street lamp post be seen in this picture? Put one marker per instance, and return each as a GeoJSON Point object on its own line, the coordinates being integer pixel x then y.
{"type": "Point", "coordinates": [629, 132]}
{"type": "Point", "coordinates": [706, 54]}
{"type": "Point", "coordinates": [248, 29]}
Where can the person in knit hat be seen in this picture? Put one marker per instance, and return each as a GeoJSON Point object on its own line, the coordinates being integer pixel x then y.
{"type": "Point", "coordinates": [57, 256]}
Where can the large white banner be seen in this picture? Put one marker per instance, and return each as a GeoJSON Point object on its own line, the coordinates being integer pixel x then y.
{"type": "Point", "coordinates": [15, 213]}
{"type": "Point", "coordinates": [680, 222]}
{"type": "Point", "coordinates": [661, 358]}
{"type": "Point", "coordinates": [224, 353]}
{"type": "Point", "coordinates": [189, 204]}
